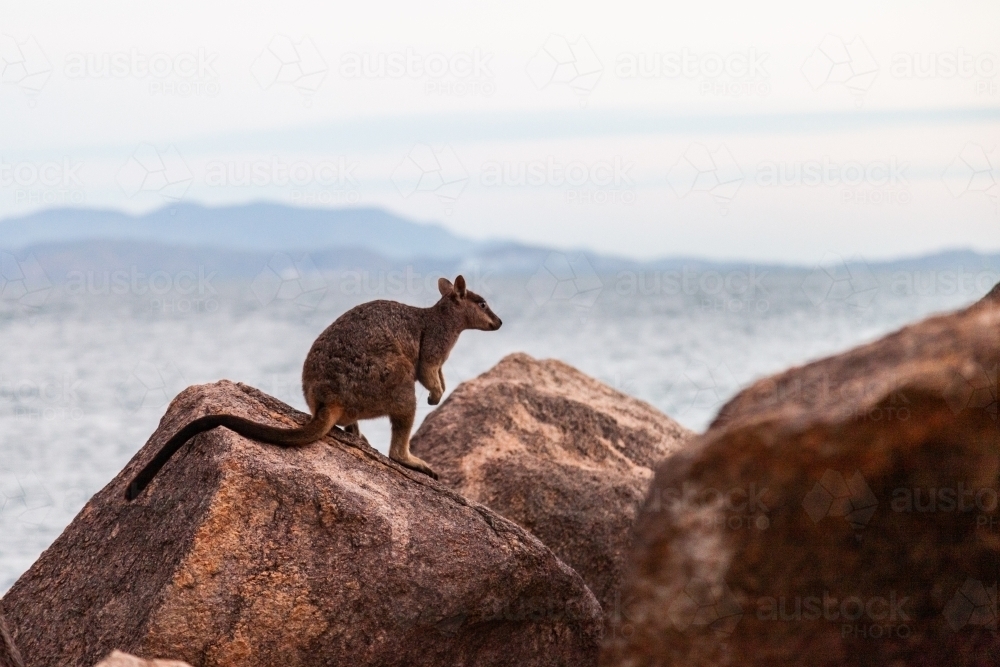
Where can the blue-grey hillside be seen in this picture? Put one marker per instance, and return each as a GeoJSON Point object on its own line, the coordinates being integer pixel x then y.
{"type": "Point", "coordinates": [247, 227]}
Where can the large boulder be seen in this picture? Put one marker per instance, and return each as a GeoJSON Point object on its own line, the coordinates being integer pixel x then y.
{"type": "Point", "coordinates": [993, 296]}
{"type": "Point", "coordinates": [9, 655]}
{"type": "Point", "coordinates": [874, 476]}
{"type": "Point", "coordinates": [244, 554]}
{"type": "Point", "coordinates": [565, 456]}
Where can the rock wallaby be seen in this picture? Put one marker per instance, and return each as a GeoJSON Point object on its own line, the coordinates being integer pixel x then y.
{"type": "Point", "coordinates": [9, 657]}
{"type": "Point", "coordinates": [363, 366]}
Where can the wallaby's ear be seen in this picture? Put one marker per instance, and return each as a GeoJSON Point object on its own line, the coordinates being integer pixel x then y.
{"type": "Point", "coordinates": [460, 286]}
{"type": "Point", "coordinates": [445, 286]}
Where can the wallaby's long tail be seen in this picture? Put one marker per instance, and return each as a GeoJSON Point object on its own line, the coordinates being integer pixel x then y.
{"type": "Point", "coordinates": [9, 656]}
{"type": "Point", "coordinates": [313, 430]}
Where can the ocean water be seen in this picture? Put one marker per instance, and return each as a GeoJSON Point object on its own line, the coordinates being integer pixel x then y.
{"type": "Point", "coordinates": [84, 378]}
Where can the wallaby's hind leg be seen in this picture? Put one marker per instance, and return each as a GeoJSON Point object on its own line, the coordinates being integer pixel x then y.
{"type": "Point", "coordinates": [399, 449]}
{"type": "Point", "coordinates": [355, 430]}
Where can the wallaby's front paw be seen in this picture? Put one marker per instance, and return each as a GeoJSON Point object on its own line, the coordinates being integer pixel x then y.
{"type": "Point", "coordinates": [434, 399]}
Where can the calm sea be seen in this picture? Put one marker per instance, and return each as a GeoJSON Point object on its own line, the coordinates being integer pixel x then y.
{"type": "Point", "coordinates": [85, 375]}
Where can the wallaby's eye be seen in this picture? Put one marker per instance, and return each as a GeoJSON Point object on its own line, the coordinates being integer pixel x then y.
{"type": "Point", "coordinates": [482, 304]}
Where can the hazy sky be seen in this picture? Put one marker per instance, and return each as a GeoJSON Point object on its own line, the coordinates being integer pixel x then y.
{"type": "Point", "coordinates": [730, 130]}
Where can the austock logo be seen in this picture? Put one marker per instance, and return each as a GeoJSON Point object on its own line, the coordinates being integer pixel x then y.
{"type": "Point", "coordinates": [327, 181]}
{"type": "Point", "coordinates": [737, 508]}
{"type": "Point", "coordinates": [182, 74]}
{"type": "Point", "coordinates": [703, 605]}
{"type": "Point", "coordinates": [150, 170]}
{"type": "Point", "coordinates": [974, 604]}
{"type": "Point", "coordinates": [149, 386]}
{"type": "Point", "coordinates": [704, 385]}
{"type": "Point", "coordinates": [599, 182]}
{"type": "Point", "coordinates": [406, 281]}
{"type": "Point", "coordinates": [945, 65]}
{"type": "Point", "coordinates": [23, 282]}
{"type": "Point", "coordinates": [975, 387]}
{"type": "Point", "coordinates": [730, 291]}
{"type": "Point", "coordinates": [23, 63]}
{"type": "Point", "coordinates": [715, 173]}
{"type": "Point", "coordinates": [284, 278]}
{"type": "Point", "coordinates": [858, 616]}
{"type": "Point", "coordinates": [568, 278]}
{"type": "Point", "coordinates": [734, 74]}
{"type": "Point", "coordinates": [49, 182]}
{"type": "Point", "coordinates": [873, 182]}
{"type": "Point", "coordinates": [47, 398]}
{"type": "Point", "coordinates": [24, 497]}
{"type": "Point", "coordinates": [945, 283]}
{"type": "Point", "coordinates": [975, 169]}
{"type": "Point", "coordinates": [431, 171]}
{"type": "Point", "coordinates": [835, 495]}
{"type": "Point", "coordinates": [874, 399]}
{"type": "Point", "coordinates": [838, 63]}
{"type": "Point", "coordinates": [286, 62]}
{"type": "Point", "coordinates": [838, 281]}
{"type": "Point", "coordinates": [561, 62]}
{"type": "Point", "coordinates": [460, 73]}
{"type": "Point", "coordinates": [185, 291]}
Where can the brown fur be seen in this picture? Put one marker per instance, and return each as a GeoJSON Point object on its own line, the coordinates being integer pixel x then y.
{"type": "Point", "coordinates": [363, 366]}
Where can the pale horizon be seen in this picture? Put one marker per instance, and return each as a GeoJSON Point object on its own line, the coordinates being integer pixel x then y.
{"type": "Point", "coordinates": [711, 131]}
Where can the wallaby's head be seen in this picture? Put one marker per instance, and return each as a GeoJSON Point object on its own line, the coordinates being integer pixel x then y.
{"type": "Point", "coordinates": [471, 307]}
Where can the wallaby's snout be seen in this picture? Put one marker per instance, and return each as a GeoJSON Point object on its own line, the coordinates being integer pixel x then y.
{"type": "Point", "coordinates": [490, 323]}
{"type": "Point", "coordinates": [495, 322]}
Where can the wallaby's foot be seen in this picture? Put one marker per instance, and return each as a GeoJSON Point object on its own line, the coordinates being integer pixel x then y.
{"type": "Point", "coordinates": [355, 430]}
{"type": "Point", "coordinates": [414, 463]}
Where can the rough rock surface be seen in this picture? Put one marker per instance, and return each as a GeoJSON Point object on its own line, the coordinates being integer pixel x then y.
{"type": "Point", "coordinates": [563, 455]}
{"type": "Point", "coordinates": [241, 553]}
{"type": "Point", "coordinates": [119, 659]}
{"type": "Point", "coordinates": [9, 655]}
{"type": "Point", "coordinates": [874, 533]}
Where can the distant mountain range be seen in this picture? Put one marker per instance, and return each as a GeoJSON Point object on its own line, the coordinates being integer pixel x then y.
{"type": "Point", "coordinates": [237, 241]}
{"type": "Point", "coordinates": [252, 227]}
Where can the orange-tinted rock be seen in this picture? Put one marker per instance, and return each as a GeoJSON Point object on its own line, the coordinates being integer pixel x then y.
{"type": "Point", "coordinates": [871, 535]}
{"type": "Point", "coordinates": [993, 296]}
{"type": "Point", "coordinates": [244, 554]}
{"type": "Point", "coordinates": [563, 455]}
{"type": "Point", "coordinates": [119, 659]}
